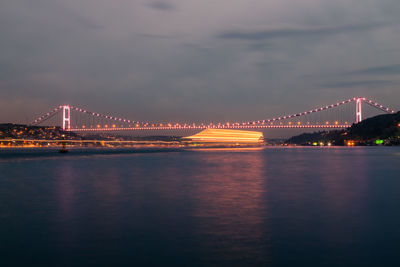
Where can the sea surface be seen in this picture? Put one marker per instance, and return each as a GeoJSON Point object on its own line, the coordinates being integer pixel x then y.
{"type": "Point", "coordinates": [274, 206]}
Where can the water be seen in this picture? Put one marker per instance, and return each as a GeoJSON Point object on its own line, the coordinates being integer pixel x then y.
{"type": "Point", "coordinates": [227, 207]}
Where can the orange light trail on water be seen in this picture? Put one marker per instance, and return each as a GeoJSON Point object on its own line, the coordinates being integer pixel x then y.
{"type": "Point", "coordinates": [226, 135]}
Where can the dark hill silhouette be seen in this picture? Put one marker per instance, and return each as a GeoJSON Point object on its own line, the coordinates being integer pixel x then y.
{"type": "Point", "coordinates": [384, 127]}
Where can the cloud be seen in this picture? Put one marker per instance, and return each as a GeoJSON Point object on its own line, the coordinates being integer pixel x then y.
{"type": "Point", "coordinates": [294, 31]}
{"type": "Point", "coordinates": [84, 22]}
{"type": "Point", "coordinates": [260, 46]}
{"type": "Point", "coordinates": [354, 84]}
{"type": "Point", "coordinates": [161, 5]}
{"type": "Point", "coordinates": [156, 36]}
{"type": "Point", "coordinates": [163, 60]}
{"type": "Point", "coordinates": [380, 70]}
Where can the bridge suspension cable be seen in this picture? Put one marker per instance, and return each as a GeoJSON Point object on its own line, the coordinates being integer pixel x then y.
{"type": "Point", "coordinates": [46, 116]}
{"type": "Point", "coordinates": [350, 100]}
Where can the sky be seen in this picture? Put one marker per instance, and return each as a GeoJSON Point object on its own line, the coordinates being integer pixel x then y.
{"type": "Point", "coordinates": [194, 61]}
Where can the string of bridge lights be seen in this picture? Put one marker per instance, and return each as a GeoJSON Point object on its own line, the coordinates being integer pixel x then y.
{"type": "Point", "coordinates": [365, 100]}
{"type": "Point", "coordinates": [250, 124]}
{"type": "Point", "coordinates": [105, 116]}
{"type": "Point", "coordinates": [59, 108]}
{"type": "Point", "coordinates": [47, 115]}
{"type": "Point", "coordinates": [379, 106]}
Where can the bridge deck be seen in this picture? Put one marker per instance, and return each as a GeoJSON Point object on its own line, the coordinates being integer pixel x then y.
{"type": "Point", "coordinates": [326, 126]}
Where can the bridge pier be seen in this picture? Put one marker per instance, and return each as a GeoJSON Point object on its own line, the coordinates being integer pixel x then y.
{"type": "Point", "coordinates": [66, 118]}
{"type": "Point", "coordinates": [359, 110]}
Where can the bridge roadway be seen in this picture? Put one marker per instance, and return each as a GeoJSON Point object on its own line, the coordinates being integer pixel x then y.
{"type": "Point", "coordinates": [188, 127]}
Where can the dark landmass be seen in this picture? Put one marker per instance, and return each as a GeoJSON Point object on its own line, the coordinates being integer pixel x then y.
{"type": "Point", "coordinates": [105, 136]}
{"type": "Point", "coordinates": [384, 128]}
{"type": "Point", "coordinates": [21, 131]}
{"type": "Point", "coordinates": [274, 141]}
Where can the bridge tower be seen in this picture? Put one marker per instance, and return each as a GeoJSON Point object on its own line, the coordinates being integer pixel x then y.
{"type": "Point", "coordinates": [66, 118]}
{"type": "Point", "coordinates": [359, 110]}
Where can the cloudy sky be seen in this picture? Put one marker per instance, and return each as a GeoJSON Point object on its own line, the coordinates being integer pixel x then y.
{"type": "Point", "coordinates": [204, 60]}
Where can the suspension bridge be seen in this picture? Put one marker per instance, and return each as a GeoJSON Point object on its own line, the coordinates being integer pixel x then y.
{"type": "Point", "coordinates": [338, 115]}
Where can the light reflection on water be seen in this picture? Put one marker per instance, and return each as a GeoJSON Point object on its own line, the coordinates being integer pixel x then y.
{"type": "Point", "coordinates": [280, 206]}
{"type": "Point", "coordinates": [229, 208]}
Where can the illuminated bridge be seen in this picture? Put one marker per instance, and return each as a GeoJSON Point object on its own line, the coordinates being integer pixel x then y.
{"type": "Point", "coordinates": [341, 114]}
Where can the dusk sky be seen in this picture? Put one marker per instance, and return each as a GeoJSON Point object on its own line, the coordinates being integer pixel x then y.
{"type": "Point", "coordinates": [185, 60]}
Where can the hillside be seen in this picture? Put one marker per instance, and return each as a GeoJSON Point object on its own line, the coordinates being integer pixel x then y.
{"type": "Point", "coordinates": [379, 127]}
{"type": "Point", "coordinates": [21, 131]}
{"type": "Point", "coordinates": [383, 127]}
